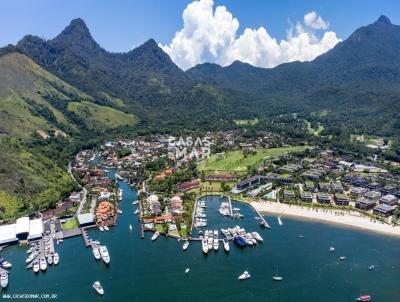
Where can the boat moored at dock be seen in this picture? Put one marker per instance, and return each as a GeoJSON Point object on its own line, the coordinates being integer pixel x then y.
{"type": "Point", "coordinates": [226, 245]}
{"type": "Point", "coordinates": [43, 263]}
{"type": "Point", "coordinates": [4, 279]}
{"type": "Point", "coordinates": [155, 235]}
{"type": "Point", "coordinates": [105, 256]}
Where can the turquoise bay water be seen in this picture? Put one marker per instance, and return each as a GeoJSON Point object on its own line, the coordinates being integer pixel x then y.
{"type": "Point", "coordinates": [142, 270]}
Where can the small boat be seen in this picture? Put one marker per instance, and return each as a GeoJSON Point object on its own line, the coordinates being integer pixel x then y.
{"type": "Point", "coordinates": [43, 263]}
{"type": "Point", "coordinates": [31, 249]}
{"type": "Point", "coordinates": [5, 263]}
{"type": "Point", "coordinates": [277, 277]}
{"type": "Point", "coordinates": [210, 243]}
{"type": "Point", "coordinates": [136, 211]}
{"type": "Point", "coordinates": [342, 258]}
{"type": "Point", "coordinates": [331, 249]}
{"type": "Point", "coordinates": [4, 279]}
{"type": "Point", "coordinates": [257, 236]}
{"type": "Point", "coordinates": [371, 268]}
{"type": "Point", "coordinates": [49, 259]}
{"type": "Point", "coordinates": [185, 245]}
{"type": "Point", "coordinates": [96, 253]}
{"type": "Point", "coordinates": [244, 276]}
{"type": "Point", "coordinates": [56, 258]}
{"type": "Point", "coordinates": [105, 256]}
{"type": "Point", "coordinates": [106, 228]}
{"type": "Point", "coordinates": [135, 202]}
{"type": "Point", "coordinates": [32, 256]}
{"type": "Point", "coordinates": [98, 288]}
{"type": "Point", "coordinates": [119, 211]}
{"type": "Point", "coordinates": [101, 228]}
{"type": "Point", "coordinates": [364, 298]}
{"type": "Point", "coordinates": [204, 245]}
{"type": "Point", "coordinates": [280, 220]}
{"type": "Point", "coordinates": [187, 270]}
{"type": "Point", "coordinates": [61, 240]}
{"type": "Point", "coordinates": [155, 235]}
{"type": "Point", "coordinates": [236, 209]}
{"type": "Point", "coordinates": [301, 236]}
{"type": "Point", "coordinates": [239, 241]}
{"type": "Point", "coordinates": [130, 227]}
{"type": "Point", "coordinates": [226, 245]}
{"type": "Point", "coordinates": [36, 266]}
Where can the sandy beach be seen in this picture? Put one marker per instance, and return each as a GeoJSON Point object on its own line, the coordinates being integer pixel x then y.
{"type": "Point", "coordinates": [350, 219]}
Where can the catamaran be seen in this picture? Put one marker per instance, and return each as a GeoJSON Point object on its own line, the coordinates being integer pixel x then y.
{"type": "Point", "coordinates": [244, 276]}
{"type": "Point", "coordinates": [43, 263]}
{"type": "Point", "coordinates": [204, 245]}
{"type": "Point", "coordinates": [185, 245]}
{"type": "Point", "coordinates": [155, 235]}
{"type": "Point", "coordinates": [105, 256]}
{"type": "Point", "coordinates": [4, 279]}
{"type": "Point", "coordinates": [56, 258]}
{"type": "Point", "coordinates": [226, 245]}
{"type": "Point", "coordinates": [98, 288]}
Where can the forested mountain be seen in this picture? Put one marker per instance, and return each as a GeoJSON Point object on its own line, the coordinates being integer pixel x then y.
{"type": "Point", "coordinates": [357, 81]}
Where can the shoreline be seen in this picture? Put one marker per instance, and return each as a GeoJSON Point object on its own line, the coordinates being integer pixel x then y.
{"type": "Point", "coordinates": [331, 216]}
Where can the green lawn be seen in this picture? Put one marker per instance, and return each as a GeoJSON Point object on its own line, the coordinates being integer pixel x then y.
{"type": "Point", "coordinates": [246, 122]}
{"type": "Point", "coordinates": [313, 131]}
{"type": "Point", "coordinates": [70, 224]}
{"type": "Point", "coordinates": [234, 161]}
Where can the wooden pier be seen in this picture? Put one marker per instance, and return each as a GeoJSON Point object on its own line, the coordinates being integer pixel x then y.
{"type": "Point", "coordinates": [85, 237]}
{"type": "Point", "coordinates": [263, 222]}
{"type": "Point", "coordinates": [230, 206]}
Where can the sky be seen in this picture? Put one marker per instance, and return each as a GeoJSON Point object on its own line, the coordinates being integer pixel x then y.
{"type": "Point", "coordinates": [262, 33]}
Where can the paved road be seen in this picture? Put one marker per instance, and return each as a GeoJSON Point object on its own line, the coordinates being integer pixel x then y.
{"type": "Point", "coordinates": [83, 201]}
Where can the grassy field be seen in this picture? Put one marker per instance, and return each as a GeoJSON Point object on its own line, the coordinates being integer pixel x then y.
{"type": "Point", "coordinates": [211, 187]}
{"type": "Point", "coordinates": [70, 224]}
{"type": "Point", "coordinates": [246, 122]}
{"type": "Point", "coordinates": [313, 131]}
{"type": "Point", "coordinates": [234, 161]}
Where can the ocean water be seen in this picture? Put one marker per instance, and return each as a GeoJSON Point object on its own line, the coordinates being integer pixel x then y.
{"type": "Point", "coordinates": [142, 270]}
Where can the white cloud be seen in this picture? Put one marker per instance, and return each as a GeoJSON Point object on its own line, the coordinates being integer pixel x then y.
{"type": "Point", "coordinates": [211, 35]}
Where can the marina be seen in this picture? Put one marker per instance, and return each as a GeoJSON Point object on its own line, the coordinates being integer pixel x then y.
{"type": "Point", "coordinates": [135, 260]}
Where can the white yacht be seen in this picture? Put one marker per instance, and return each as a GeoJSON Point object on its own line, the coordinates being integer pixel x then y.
{"type": "Point", "coordinates": [4, 279]}
{"type": "Point", "coordinates": [50, 259]}
{"type": "Point", "coordinates": [280, 220]}
{"type": "Point", "coordinates": [43, 263]}
{"type": "Point", "coordinates": [5, 263]}
{"type": "Point", "coordinates": [96, 253]}
{"type": "Point", "coordinates": [204, 245]}
{"type": "Point", "coordinates": [135, 202]}
{"type": "Point", "coordinates": [119, 211]}
{"type": "Point", "coordinates": [36, 266]}
{"type": "Point", "coordinates": [32, 256]}
{"type": "Point", "coordinates": [105, 256]}
{"type": "Point", "coordinates": [101, 228]}
{"type": "Point", "coordinates": [98, 288]}
{"type": "Point", "coordinates": [187, 270]}
{"type": "Point", "coordinates": [342, 258]}
{"type": "Point", "coordinates": [226, 245]}
{"type": "Point", "coordinates": [106, 228]}
{"type": "Point", "coordinates": [130, 227]}
{"type": "Point", "coordinates": [257, 236]}
{"type": "Point", "coordinates": [155, 235]}
{"type": "Point", "coordinates": [371, 268]}
{"type": "Point", "coordinates": [137, 211]}
{"type": "Point", "coordinates": [244, 276]}
{"type": "Point", "coordinates": [185, 245]}
{"type": "Point", "coordinates": [56, 258]}
{"type": "Point", "coordinates": [210, 243]}
{"type": "Point", "coordinates": [331, 249]}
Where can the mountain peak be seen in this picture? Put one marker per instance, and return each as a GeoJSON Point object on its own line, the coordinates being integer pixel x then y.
{"type": "Point", "coordinates": [77, 33]}
{"type": "Point", "coordinates": [383, 20]}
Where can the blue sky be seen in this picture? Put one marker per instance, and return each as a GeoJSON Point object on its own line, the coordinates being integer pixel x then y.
{"type": "Point", "coordinates": [120, 25]}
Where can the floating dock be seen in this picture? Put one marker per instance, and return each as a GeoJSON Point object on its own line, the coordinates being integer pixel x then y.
{"type": "Point", "coordinates": [263, 222]}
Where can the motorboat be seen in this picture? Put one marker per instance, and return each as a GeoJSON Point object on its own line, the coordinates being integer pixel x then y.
{"type": "Point", "coordinates": [119, 211]}
{"type": "Point", "coordinates": [105, 256]}
{"type": "Point", "coordinates": [4, 279]}
{"type": "Point", "coordinates": [215, 244]}
{"type": "Point", "coordinates": [135, 202]}
{"type": "Point", "coordinates": [342, 258]}
{"type": "Point", "coordinates": [331, 249]}
{"type": "Point", "coordinates": [155, 235]}
{"type": "Point", "coordinates": [210, 243]}
{"type": "Point", "coordinates": [106, 228]}
{"type": "Point", "coordinates": [371, 268]}
{"type": "Point", "coordinates": [226, 245]}
{"type": "Point", "coordinates": [43, 263]}
{"type": "Point", "coordinates": [244, 276]}
{"type": "Point", "coordinates": [50, 259]}
{"type": "Point", "coordinates": [137, 211]}
{"type": "Point", "coordinates": [98, 288]}
{"type": "Point", "coordinates": [130, 227]}
{"type": "Point", "coordinates": [257, 236]}
{"type": "Point", "coordinates": [32, 256]}
{"type": "Point", "coordinates": [36, 266]}
{"type": "Point", "coordinates": [96, 253]}
{"type": "Point", "coordinates": [185, 245]}
{"type": "Point", "coordinates": [5, 263]}
{"type": "Point", "coordinates": [187, 270]}
{"type": "Point", "coordinates": [364, 298]}
{"type": "Point", "coordinates": [101, 228]}
{"type": "Point", "coordinates": [239, 241]}
{"type": "Point", "coordinates": [56, 258]}
{"type": "Point", "coordinates": [204, 245]}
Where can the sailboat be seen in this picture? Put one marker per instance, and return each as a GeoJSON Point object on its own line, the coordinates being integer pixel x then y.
{"type": "Point", "coordinates": [276, 277]}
